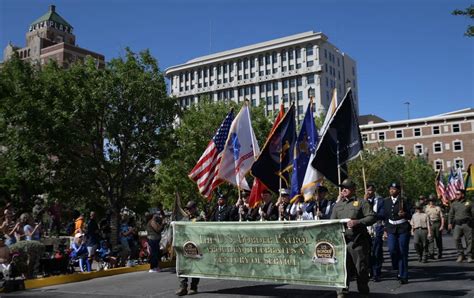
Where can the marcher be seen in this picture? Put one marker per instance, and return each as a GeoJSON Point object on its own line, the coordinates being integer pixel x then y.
{"type": "Point", "coordinates": [376, 232]}
{"type": "Point", "coordinates": [193, 215]}
{"type": "Point", "coordinates": [397, 226]}
{"type": "Point", "coordinates": [421, 231]}
{"type": "Point", "coordinates": [222, 212]}
{"type": "Point", "coordinates": [244, 213]}
{"type": "Point", "coordinates": [436, 217]}
{"type": "Point", "coordinates": [461, 217]}
{"type": "Point", "coordinates": [298, 209]}
{"type": "Point", "coordinates": [283, 205]}
{"type": "Point", "coordinates": [267, 210]}
{"type": "Point", "coordinates": [319, 205]}
{"type": "Point", "coordinates": [357, 238]}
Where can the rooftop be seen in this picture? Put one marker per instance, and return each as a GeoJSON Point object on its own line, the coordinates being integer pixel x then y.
{"type": "Point", "coordinates": [52, 15]}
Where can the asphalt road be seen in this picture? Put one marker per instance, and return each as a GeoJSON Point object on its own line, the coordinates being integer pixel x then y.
{"type": "Point", "coordinates": [437, 278]}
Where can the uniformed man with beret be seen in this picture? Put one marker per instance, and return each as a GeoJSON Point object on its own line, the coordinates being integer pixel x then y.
{"type": "Point", "coordinates": [360, 216]}
{"type": "Point", "coordinates": [223, 212]}
{"type": "Point", "coordinates": [397, 225]}
{"type": "Point", "coordinates": [461, 217]}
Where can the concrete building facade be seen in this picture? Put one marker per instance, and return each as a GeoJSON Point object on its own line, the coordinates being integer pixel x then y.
{"type": "Point", "coordinates": [288, 69]}
{"type": "Point", "coordinates": [445, 140]}
{"type": "Point", "coordinates": [51, 37]}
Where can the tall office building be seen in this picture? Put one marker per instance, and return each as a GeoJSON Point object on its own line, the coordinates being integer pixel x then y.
{"type": "Point", "coordinates": [50, 37]}
{"type": "Point", "coordinates": [288, 69]}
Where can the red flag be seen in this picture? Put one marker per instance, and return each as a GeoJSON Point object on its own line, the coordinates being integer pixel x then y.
{"type": "Point", "coordinates": [258, 187]}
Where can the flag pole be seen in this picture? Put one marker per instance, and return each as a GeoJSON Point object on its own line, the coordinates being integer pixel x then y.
{"type": "Point", "coordinates": [338, 166]}
{"type": "Point", "coordinates": [363, 172]}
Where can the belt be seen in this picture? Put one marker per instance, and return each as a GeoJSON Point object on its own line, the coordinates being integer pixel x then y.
{"type": "Point", "coordinates": [397, 222]}
{"type": "Point", "coordinates": [421, 228]}
{"type": "Point", "coordinates": [437, 220]}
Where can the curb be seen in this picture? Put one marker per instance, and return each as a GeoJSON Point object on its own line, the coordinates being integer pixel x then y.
{"type": "Point", "coordinates": [81, 276]}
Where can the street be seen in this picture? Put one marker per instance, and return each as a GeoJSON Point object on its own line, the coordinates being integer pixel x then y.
{"type": "Point", "coordinates": [437, 278]}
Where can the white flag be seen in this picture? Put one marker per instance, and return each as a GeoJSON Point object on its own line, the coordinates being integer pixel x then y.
{"type": "Point", "coordinates": [312, 176]}
{"type": "Point", "coordinates": [240, 151]}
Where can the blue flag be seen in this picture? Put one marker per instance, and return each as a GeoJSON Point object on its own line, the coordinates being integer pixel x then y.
{"type": "Point", "coordinates": [305, 146]}
{"type": "Point", "coordinates": [274, 164]}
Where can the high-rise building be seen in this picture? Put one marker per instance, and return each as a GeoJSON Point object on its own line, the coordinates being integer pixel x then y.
{"type": "Point", "coordinates": [288, 69]}
{"type": "Point", "coordinates": [51, 38]}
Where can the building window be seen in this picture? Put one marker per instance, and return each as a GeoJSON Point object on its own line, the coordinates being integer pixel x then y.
{"type": "Point", "coordinates": [437, 147]}
{"type": "Point", "coordinates": [299, 81]}
{"type": "Point", "coordinates": [310, 78]}
{"type": "Point", "coordinates": [399, 134]}
{"type": "Point", "coordinates": [417, 132]}
{"type": "Point", "coordinates": [275, 99]}
{"type": "Point", "coordinates": [400, 150]}
{"type": "Point", "coordinates": [269, 100]}
{"type": "Point", "coordinates": [275, 86]}
{"type": "Point", "coordinates": [285, 83]}
{"type": "Point", "coordinates": [364, 137]}
{"type": "Point", "coordinates": [381, 136]}
{"type": "Point", "coordinates": [292, 83]}
{"type": "Point", "coordinates": [309, 50]}
{"type": "Point", "coordinates": [418, 149]}
{"type": "Point", "coordinates": [438, 164]}
{"type": "Point", "coordinates": [459, 163]}
{"type": "Point", "coordinates": [300, 110]}
{"type": "Point", "coordinates": [457, 146]}
{"type": "Point", "coordinates": [456, 127]}
{"type": "Point", "coordinates": [436, 130]}
{"type": "Point", "coordinates": [309, 63]}
{"type": "Point", "coordinates": [285, 97]}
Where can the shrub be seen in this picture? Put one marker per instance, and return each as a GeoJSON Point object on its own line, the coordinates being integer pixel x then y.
{"type": "Point", "coordinates": [29, 254]}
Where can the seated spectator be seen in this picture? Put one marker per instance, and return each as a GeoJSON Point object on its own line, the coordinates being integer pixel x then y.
{"type": "Point", "coordinates": [4, 253]}
{"type": "Point", "coordinates": [105, 255]}
{"type": "Point", "coordinates": [8, 228]}
{"type": "Point", "coordinates": [79, 252]}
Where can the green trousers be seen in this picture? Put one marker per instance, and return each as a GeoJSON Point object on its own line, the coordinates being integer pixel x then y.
{"type": "Point", "coordinates": [420, 241]}
{"type": "Point", "coordinates": [466, 231]}
{"type": "Point", "coordinates": [436, 238]}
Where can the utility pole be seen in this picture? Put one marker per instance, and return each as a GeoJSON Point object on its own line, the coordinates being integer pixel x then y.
{"type": "Point", "coordinates": [408, 108]}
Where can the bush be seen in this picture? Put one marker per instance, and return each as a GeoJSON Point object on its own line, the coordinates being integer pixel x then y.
{"type": "Point", "coordinates": [29, 254]}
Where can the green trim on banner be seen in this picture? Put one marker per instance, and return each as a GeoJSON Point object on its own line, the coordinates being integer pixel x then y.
{"type": "Point", "coordinates": [293, 252]}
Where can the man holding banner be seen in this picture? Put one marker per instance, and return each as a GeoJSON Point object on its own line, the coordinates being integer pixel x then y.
{"type": "Point", "coordinates": [360, 216]}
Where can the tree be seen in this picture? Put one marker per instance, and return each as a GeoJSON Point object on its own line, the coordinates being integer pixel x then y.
{"type": "Point", "coordinates": [94, 134]}
{"type": "Point", "coordinates": [469, 11]}
{"type": "Point", "coordinates": [197, 126]}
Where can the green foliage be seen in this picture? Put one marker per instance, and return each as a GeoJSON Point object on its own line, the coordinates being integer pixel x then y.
{"type": "Point", "coordinates": [84, 134]}
{"type": "Point", "coordinates": [469, 12]}
{"type": "Point", "coordinates": [197, 126]}
{"type": "Point", "coordinates": [383, 166]}
{"type": "Point", "coordinates": [29, 255]}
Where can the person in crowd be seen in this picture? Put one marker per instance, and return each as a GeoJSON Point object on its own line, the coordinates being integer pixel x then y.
{"type": "Point", "coordinates": [376, 232]}
{"type": "Point", "coordinates": [105, 254]}
{"type": "Point", "coordinates": [92, 236]}
{"type": "Point", "coordinates": [8, 228]}
{"type": "Point", "coordinates": [283, 205]}
{"type": "Point", "coordinates": [436, 217]}
{"type": "Point", "coordinates": [222, 212]}
{"type": "Point", "coordinates": [357, 238]}
{"type": "Point", "coordinates": [461, 216]}
{"type": "Point", "coordinates": [421, 231]}
{"type": "Point", "coordinates": [79, 252]}
{"type": "Point", "coordinates": [38, 210]}
{"type": "Point", "coordinates": [55, 211]}
{"type": "Point", "coordinates": [267, 210]}
{"type": "Point", "coordinates": [31, 229]}
{"type": "Point", "coordinates": [154, 227]}
{"type": "Point", "coordinates": [397, 226]}
{"type": "Point", "coordinates": [126, 238]}
{"type": "Point", "coordinates": [19, 230]}
{"type": "Point", "coordinates": [244, 212]}
{"type": "Point", "coordinates": [79, 224]}
{"type": "Point", "coordinates": [193, 215]}
{"type": "Point", "coordinates": [319, 205]}
{"type": "Point", "coordinates": [4, 253]}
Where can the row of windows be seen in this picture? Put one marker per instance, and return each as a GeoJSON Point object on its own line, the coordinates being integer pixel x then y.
{"type": "Point", "coordinates": [418, 149]}
{"type": "Point", "coordinates": [457, 162]}
{"type": "Point", "coordinates": [417, 132]}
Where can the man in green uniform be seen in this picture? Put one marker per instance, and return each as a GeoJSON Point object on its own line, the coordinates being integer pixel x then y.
{"type": "Point", "coordinates": [358, 240]}
{"type": "Point", "coordinates": [461, 216]}
{"type": "Point", "coordinates": [436, 217]}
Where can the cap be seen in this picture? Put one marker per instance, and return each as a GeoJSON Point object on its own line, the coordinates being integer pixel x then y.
{"type": "Point", "coordinates": [78, 235]}
{"type": "Point", "coordinates": [347, 183]}
{"type": "Point", "coordinates": [322, 189]}
{"type": "Point", "coordinates": [371, 184]}
{"type": "Point", "coordinates": [190, 204]}
{"type": "Point", "coordinates": [394, 185]}
{"type": "Point", "coordinates": [284, 192]}
{"type": "Point", "coordinates": [222, 197]}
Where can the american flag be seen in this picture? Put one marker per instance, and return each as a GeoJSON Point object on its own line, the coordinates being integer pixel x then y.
{"type": "Point", "coordinates": [205, 171]}
{"type": "Point", "coordinates": [455, 181]}
{"type": "Point", "coordinates": [440, 188]}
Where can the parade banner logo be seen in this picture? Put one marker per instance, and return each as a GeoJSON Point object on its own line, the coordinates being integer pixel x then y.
{"type": "Point", "coordinates": [302, 252]}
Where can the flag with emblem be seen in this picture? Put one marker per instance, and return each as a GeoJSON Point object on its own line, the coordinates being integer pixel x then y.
{"type": "Point", "coordinates": [305, 147]}
{"type": "Point", "coordinates": [274, 164]}
{"type": "Point", "coordinates": [240, 151]}
{"type": "Point", "coordinates": [468, 182]}
{"type": "Point", "coordinates": [205, 171]}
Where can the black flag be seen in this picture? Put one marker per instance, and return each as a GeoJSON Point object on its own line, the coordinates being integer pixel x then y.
{"type": "Point", "coordinates": [342, 133]}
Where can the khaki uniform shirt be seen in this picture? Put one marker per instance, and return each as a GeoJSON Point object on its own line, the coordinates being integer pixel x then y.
{"type": "Point", "coordinates": [434, 213]}
{"type": "Point", "coordinates": [419, 220]}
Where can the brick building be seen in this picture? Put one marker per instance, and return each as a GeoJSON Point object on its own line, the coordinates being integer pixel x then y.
{"type": "Point", "coordinates": [51, 37]}
{"type": "Point", "coordinates": [446, 140]}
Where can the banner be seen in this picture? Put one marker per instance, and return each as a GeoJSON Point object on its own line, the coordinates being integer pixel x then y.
{"type": "Point", "coordinates": [300, 252]}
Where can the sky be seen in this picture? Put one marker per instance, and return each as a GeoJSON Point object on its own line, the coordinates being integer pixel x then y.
{"type": "Point", "coordinates": [406, 51]}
